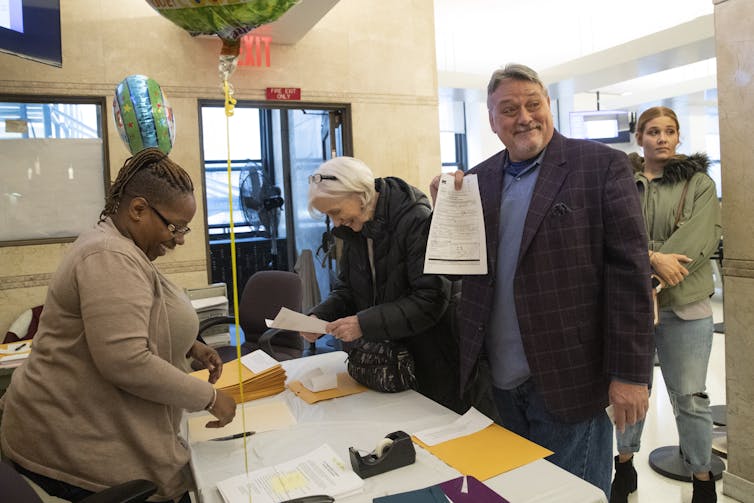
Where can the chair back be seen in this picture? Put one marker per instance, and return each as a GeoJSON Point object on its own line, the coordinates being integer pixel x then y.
{"type": "Point", "coordinates": [263, 295]}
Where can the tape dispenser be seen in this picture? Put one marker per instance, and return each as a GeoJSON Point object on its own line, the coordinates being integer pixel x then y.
{"type": "Point", "coordinates": [393, 451]}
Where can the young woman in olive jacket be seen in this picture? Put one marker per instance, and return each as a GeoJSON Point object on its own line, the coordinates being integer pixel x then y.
{"type": "Point", "coordinates": [682, 216]}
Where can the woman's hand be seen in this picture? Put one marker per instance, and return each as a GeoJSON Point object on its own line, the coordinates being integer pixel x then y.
{"type": "Point", "coordinates": [345, 329]}
{"type": "Point", "coordinates": [669, 266]}
{"type": "Point", "coordinates": [224, 410]}
{"type": "Point", "coordinates": [309, 336]}
{"type": "Point", "coordinates": [209, 358]}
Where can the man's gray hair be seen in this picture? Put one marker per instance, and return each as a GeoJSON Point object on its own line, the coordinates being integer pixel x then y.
{"type": "Point", "coordinates": [352, 177]}
{"type": "Point", "coordinates": [514, 71]}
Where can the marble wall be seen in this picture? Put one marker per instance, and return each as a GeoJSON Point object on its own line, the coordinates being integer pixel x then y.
{"type": "Point", "coordinates": [377, 56]}
{"type": "Point", "coordinates": [735, 83]}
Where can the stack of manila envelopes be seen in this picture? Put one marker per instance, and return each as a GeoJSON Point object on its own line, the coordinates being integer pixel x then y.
{"type": "Point", "coordinates": [255, 385]}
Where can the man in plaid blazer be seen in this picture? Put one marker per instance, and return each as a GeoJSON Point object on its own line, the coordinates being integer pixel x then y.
{"type": "Point", "coordinates": [564, 314]}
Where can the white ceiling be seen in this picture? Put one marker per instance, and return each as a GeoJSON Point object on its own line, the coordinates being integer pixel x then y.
{"type": "Point", "coordinates": [631, 52]}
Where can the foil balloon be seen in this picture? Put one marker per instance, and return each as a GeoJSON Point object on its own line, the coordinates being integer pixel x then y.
{"type": "Point", "coordinates": [228, 19]}
{"type": "Point", "coordinates": [143, 115]}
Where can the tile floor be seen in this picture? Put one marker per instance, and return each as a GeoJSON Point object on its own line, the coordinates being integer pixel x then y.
{"type": "Point", "coordinates": [660, 429]}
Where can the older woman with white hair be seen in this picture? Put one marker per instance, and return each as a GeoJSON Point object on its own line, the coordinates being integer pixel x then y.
{"type": "Point", "coordinates": [382, 292]}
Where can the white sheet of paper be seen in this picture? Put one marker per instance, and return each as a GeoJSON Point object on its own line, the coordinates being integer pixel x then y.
{"type": "Point", "coordinates": [13, 357]}
{"type": "Point", "coordinates": [457, 242]}
{"type": "Point", "coordinates": [258, 361]}
{"type": "Point", "coordinates": [321, 471]}
{"type": "Point", "coordinates": [291, 320]}
{"type": "Point", "coordinates": [471, 422]}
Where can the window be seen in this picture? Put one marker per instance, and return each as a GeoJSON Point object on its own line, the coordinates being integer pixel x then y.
{"type": "Point", "coordinates": [53, 168]}
{"type": "Point", "coordinates": [453, 149]}
{"type": "Point", "coordinates": [273, 150]}
{"type": "Point", "coordinates": [246, 149]}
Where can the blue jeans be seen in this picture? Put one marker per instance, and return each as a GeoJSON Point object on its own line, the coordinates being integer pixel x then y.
{"type": "Point", "coordinates": [683, 350]}
{"type": "Point", "coordinates": [584, 449]}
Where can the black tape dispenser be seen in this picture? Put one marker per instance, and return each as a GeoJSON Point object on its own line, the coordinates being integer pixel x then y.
{"type": "Point", "coordinates": [393, 451]}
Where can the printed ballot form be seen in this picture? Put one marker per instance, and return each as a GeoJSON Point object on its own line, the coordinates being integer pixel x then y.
{"type": "Point", "coordinates": [457, 242]}
{"type": "Point", "coordinates": [321, 471]}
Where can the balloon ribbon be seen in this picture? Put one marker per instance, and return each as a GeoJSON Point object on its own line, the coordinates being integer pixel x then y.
{"type": "Point", "coordinates": [230, 104]}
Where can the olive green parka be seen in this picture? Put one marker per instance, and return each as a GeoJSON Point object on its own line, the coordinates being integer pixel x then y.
{"type": "Point", "coordinates": [698, 229]}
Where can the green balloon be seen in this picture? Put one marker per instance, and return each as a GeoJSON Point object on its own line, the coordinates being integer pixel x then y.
{"type": "Point", "coordinates": [229, 19]}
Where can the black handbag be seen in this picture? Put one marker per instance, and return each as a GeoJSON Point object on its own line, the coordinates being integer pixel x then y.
{"type": "Point", "coordinates": [384, 366]}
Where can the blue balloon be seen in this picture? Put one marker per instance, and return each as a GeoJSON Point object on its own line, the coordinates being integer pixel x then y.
{"type": "Point", "coordinates": [143, 115]}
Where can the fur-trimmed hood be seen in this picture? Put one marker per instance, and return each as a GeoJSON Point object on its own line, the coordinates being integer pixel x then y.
{"type": "Point", "coordinates": [679, 168]}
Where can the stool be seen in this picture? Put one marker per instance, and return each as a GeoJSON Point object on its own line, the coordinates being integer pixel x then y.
{"type": "Point", "coordinates": [668, 461]}
{"type": "Point", "coordinates": [719, 434]}
{"type": "Point", "coordinates": [720, 441]}
{"type": "Point", "coordinates": [719, 413]}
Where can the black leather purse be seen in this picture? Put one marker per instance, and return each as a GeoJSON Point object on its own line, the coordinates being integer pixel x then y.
{"type": "Point", "coordinates": [385, 366]}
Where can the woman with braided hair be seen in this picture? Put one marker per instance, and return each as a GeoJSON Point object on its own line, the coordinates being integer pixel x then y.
{"type": "Point", "coordinates": [100, 398]}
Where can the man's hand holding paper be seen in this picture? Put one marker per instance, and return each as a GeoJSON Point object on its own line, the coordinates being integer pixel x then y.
{"type": "Point", "coordinates": [457, 244]}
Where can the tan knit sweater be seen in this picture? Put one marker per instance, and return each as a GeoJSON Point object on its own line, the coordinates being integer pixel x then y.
{"type": "Point", "coordinates": [100, 398]}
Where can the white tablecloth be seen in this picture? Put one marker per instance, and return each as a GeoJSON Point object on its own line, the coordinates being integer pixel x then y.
{"type": "Point", "coordinates": [360, 421]}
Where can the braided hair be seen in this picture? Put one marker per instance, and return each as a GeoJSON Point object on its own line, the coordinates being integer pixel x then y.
{"type": "Point", "coordinates": [151, 174]}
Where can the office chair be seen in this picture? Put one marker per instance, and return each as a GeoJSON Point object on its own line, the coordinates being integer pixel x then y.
{"type": "Point", "coordinates": [263, 295]}
{"type": "Point", "coordinates": [16, 488]}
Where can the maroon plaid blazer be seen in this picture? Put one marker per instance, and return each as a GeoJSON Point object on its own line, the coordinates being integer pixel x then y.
{"type": "Point", "coordinates": [582, 284]}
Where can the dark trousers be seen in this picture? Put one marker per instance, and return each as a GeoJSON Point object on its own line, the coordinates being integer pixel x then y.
{"type": "Point", "coordinates": [584, 449]}
{"type": "Point", "coordinates": [54, 487]}
{"type": "Point", "coordinates": [66, 491]}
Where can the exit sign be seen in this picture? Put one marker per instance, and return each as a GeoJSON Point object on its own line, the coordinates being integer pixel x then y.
{"type": "Point", "coordinates": [284, 93]}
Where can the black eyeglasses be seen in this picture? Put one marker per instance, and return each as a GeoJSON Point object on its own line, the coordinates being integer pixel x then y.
{"type": "Point", "coordinates": [174, 229]}
{"type": "Point", "coordinates": [317, 178]}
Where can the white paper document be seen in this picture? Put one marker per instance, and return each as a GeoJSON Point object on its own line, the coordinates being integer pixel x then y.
{"type": "Point", "coordinates": [258, 361]}
{"type": "Point", "coordinates": [320, 472]}
{"type": "Point", "coordinates": [457, 242]}
{"type": "Point", "coordinates": [471, 422]}
{"type": "Point", "coordinates": [291, 320]}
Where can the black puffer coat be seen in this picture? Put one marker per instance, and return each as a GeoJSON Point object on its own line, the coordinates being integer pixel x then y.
{"type": "Point", "coordinates": [405, 303]}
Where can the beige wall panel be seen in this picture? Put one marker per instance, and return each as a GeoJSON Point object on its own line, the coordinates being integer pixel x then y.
{"type": "Point", "coordinates": [405, 155]}
{"type": "Point", "coordinates": [377, 56]}
{"type": "Point", "coordinates": [734, 42]}
{"type": "Point", "coordinates": [739, 348]}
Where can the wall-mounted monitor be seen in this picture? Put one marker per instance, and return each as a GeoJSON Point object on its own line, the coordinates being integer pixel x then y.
{"type": "Point", "coordinates": [31, 29]}
{"type": "Point", "coordinates": [606, 126]}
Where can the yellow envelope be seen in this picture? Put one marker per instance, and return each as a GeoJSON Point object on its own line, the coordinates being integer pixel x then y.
{"type": "Point", "coordinates": [488, 452]}
{"type": "Point", "coordinates": [346, 386]}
